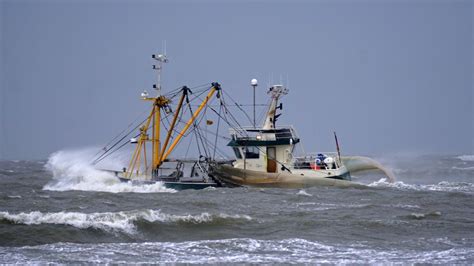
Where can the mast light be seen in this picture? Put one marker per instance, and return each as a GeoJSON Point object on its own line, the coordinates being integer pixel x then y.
{"type": "Point", "coordinates": [254, 82]}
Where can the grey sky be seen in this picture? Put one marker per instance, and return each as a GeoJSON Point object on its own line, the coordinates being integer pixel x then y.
{"type": "Point", "coordinates": [389, 76]}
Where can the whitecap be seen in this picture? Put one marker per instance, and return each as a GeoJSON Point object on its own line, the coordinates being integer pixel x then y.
{"type": "Point", "coordinates": [305, 203]}
{"type": "Point", "coordinates": [441, 186]}
{"type": "Point", "coordinates": [463, 168]}
{"type": "Point", "coordinates": [405, 206]}
{"type": "Point", "coordinates": [466, 158]}
{"type": "Point", "coordinates": [304, 193]}
{"type": "Point", "coordinates": [418, 216]}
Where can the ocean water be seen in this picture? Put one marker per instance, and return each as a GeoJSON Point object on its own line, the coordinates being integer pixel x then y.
{"type": "Point", "coordinates": [62, 210]}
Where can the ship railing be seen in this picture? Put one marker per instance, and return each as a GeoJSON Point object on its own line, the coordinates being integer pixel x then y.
{"type": "Point", "coordinates": [247, 133]}
{"type": "Point", "coordinates": [308, 161]}
{"type": "Point", "coordinates": [170, 168]}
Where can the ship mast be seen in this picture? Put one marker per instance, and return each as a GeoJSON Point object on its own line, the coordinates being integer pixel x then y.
{"type": "Point", "coordinates": [275, 92]}
{"type": "Point", "coordinates": [160, 101]}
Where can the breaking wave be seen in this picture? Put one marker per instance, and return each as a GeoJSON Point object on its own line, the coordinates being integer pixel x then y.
{"type": "Point", "coordinates": [441, 186]}
{"type": "Point", "coordinates": [72, 170]}
{"type": "Point", "coordinates": [124, 221]}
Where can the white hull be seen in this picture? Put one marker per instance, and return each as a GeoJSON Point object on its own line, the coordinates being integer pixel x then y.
{"type": "Point", "coordinates": [241, 177]}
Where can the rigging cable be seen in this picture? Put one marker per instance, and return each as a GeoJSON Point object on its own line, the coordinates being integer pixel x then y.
{"type": "Point", "coordinates": [118, 135]}
{"type": "Point", "coordinates": [110, 153]}
{"type": "Point", "coordinates": [217, 133]}
{"type": "Point", "coordinates": [116, 143]}
{"type": "Point", "coordinates": [240, 108]}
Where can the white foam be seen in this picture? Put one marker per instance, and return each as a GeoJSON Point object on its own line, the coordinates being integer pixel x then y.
{"type": "Point", "coordinates": [417, 215]}
{"type": "Point", "coordinates": [404, 206]}
{"type": "Point", "coordinates": [305, 203]}
{"type": "Point", "coordinates": [463, 168]}
{"type": "Point", "coordinates": [72, 170]}
{"type": "Point", "coordinates": [304, 193]}
{"type": "Point", "coordinates": [441, 186]}
{"type": "Point", "coordinates": [112, 221]}
{"type": "Point", "coordinates": [466, 158]}
{"type": "Point", "coordinates": [236, 250]}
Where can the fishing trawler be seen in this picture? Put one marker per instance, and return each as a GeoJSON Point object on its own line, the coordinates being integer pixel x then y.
{"type": "Point", "coordinates": [265, 157]}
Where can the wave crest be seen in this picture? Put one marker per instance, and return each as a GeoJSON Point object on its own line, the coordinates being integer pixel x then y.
{"type": "Point", "coordinates": [124, 221]}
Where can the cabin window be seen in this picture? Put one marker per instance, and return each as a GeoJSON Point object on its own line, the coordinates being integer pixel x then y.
{"type": "Point", "coordinates": [237, 153]}
{"type": "Point", "coordinates": [252, 152]}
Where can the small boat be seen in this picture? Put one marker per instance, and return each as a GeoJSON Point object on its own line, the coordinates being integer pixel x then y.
{"type": "Point", "coordinates": [264, 157]}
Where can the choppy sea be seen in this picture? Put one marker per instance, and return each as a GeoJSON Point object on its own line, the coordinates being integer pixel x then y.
{"type": "Point", "coordinates": [61, 210]}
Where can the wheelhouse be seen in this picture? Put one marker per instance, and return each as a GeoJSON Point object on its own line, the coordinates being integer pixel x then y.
{"type": "Point", "coordinates": [267, 150]}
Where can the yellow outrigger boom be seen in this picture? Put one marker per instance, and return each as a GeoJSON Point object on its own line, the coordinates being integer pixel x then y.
{"type": "Point", "coordinates": [160, 154]}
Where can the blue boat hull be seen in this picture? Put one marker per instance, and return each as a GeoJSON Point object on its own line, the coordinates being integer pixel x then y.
{"type": "Point", "coordinates": [177, 185]}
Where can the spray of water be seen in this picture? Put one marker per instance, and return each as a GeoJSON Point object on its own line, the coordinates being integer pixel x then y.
{"type": "Point", "coordinates": [72, 170]}
{"type": "Point", "coordinates": [360, 163]}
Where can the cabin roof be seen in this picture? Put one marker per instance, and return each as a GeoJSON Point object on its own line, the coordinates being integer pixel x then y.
{"type": "Point", "coordinates": [244, 141]}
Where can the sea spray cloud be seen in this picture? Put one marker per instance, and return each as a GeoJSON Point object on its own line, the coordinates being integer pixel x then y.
{"type": "Point", "coordinates": [73, 170]}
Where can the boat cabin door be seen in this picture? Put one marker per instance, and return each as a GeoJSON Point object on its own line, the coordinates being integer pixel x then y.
{"type": "Point", "coordinates": [271, 160]}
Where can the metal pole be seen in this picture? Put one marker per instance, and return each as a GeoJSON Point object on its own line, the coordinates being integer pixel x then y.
{"type": "Point", "coordinates": [254, 106]}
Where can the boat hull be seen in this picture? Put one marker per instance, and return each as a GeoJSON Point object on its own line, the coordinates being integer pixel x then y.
{"type": "Point", "coordinates": [177, 185]}
{"type": "Point", "coordinates": [239, 177]}
{"type": "Point", "coordinates": [174, 185]}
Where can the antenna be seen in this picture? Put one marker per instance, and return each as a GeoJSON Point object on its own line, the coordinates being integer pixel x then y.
{"type": "Point", "coordinates": [161, 58]}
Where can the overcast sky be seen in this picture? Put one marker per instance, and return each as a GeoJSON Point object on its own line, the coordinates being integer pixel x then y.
{"type": "Point", "coordinates": [389, 76]}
